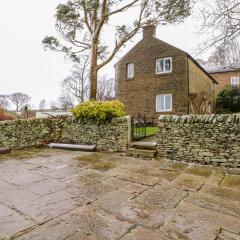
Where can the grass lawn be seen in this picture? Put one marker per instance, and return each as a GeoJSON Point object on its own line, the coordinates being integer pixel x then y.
{"type": "Point", "coordinates": [151, 130]}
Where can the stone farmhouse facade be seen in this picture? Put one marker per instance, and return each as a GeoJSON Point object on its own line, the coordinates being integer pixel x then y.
{"type": "Point", "coordinates": [157, 78]}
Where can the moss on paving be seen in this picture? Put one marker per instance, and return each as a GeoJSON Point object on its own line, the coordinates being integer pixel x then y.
{"type": "Point", "coordinates": [97, 161]}
{"type": "Point", "coordinates": [142, 171]}
{"type": "Point", "coordinates": [104, 166]}
{"type": "Point", "coordinates": [231, 181]}
{"type": "Point", "coordinates": [199, 171]}
{"type": "Point", "coordinates": [24, 154]}
{"type": "Point", "coordinates": [90, 158]}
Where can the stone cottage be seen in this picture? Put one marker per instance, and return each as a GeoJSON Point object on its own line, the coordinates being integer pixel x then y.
{"type": "Point", "coordinates": [157, 78]}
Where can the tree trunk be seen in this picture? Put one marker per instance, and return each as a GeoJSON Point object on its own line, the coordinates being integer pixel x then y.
{"type": "Point", "coordinates": [93, 71]}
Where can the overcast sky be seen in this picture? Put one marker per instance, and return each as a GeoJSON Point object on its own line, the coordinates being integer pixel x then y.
{"type": "Point", "coordinates": [26, 67]}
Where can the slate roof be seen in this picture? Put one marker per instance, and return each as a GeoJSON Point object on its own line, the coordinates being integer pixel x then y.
{"type": "Point", "coordinates": [219, 69]}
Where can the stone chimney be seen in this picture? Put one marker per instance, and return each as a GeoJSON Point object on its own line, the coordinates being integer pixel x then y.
{"type": "Point", "coordinates": [149, 31]}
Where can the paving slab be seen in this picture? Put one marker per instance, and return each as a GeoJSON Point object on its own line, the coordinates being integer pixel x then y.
{"type": "Point", "coordinates": [91, 221]}
{"type": "Point", "coordinates": [45, 187]}
{"type": "Point", "coordinates": [209, 201]}
{"type": "Point", "coordinates": [141, 214]}
{"type": "Point", "coordinates": [51, 206]}
{"type": "Point", "coordinates": [162, 174]}
{"type": "Point", "coordinates": [226, 193]}
{"type": "Point", "coordinates": [139, 178]}
{"type": "Point", "coordinates": [113, 201]}
{"type": "Point", "coordinates": [141, 233]}
{"type": "Point", "coordinates": [83, 236]}
{"type": "Point", "coordinates": [162, 197]}
{"type": "Point", "coordinates": [17, 196]}
{"type": "Point", "coordinates": [92, 192]}
{"type": "Point", "coordinates": [52, 230]}
{"type": "Point", "coordinates": [12, 222]}
{"type": "Point", "coordinates": [5, 186]}
{"type": "Point", "coordinates": [21, 177]}
{"type": "Point", "coordinates": [215, 178]}
{"type": "Point", "coordinates": [85, 178]}
{"type": "Point", "coordinates": [209, 217]}
{"type": "Point", "coordinates": [198, 170]}
{"type": "Point", "coordinates": [171, 165]}
{"type": "Point", "coordinates": [125, 185]}
{"type": "Point", "coordinates": [225, 235]}
{"type": "Point", "coordinates": [189, 182]}
{"type": "Point", "coordinates": [183, 228]}
{"type": "Point", "coordinates": [231, 181]}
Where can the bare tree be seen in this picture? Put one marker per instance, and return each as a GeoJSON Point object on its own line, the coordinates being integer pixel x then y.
{"type": "Point", "coordinates": [226, 55]}
{"type": "Point", "coordinates": [221, 22]}
{"type": "Point", "coordinates": [106, 88]}
{"type": "Point", "coordinates": [53, 105]}
{"type": "Point", "coordinates": [81, 25]}
{"type": "Point", "coordinates": [42, 104]}
{"type": "Point", "coordinates": [19, 99]}
{"type": "Point", "coordinates": [4, 103]}
{"type": "Point", "coordinates": [200, 102]}
{"type": "Point", "coordinates": [66, 102]}
{"type": "Point", "coordinates": [77, 84]}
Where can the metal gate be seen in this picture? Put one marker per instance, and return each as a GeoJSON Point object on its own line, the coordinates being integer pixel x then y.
{"type": "Point", "coordinates": [139, 126]}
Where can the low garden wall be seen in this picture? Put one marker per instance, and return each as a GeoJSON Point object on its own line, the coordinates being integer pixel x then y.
{"type": "Point", "coordinates": [207, 139]}
{"type": "Point", "coordinates": [113, 136]}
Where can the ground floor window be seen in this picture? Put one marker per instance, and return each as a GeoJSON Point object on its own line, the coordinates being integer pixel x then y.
{"type": "Point", "coordinates": [164, 103]}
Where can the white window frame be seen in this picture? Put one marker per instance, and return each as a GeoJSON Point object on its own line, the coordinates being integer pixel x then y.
{"type": "Point", "coordinates": [128, 70]}
{"type": "Point", "coordinates": [234, 81]}
{"type": "Point", "coordinates": [164, 106]}
{"type": "Point", "coordinates": [164, 70]}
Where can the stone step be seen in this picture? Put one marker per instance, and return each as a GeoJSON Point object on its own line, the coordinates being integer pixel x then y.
{"type": "Point", "coordinates": [135, 152]}
{"type": "Point", "coordinates": [79, 147]}
{"type": "Point", "coordinates": [144, 145]}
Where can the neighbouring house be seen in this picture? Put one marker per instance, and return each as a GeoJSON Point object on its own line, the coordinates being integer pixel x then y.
{"type": "Point", "coordinates": [225, 76]}
{"type": "Point", "coordinates": [52, 113]}
{"type": "Point", "coordinates": [157, 78]}
{"type": "Point", "coordinates": [45, 113]}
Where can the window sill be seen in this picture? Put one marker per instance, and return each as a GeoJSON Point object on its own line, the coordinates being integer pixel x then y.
{"type": "Point", "coordinates": [164, 111]}
{"type": "Point", "coordinates": [164, 73]}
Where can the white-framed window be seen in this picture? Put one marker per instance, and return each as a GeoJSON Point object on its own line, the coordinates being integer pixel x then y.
{"type": "Point", "coordinates": [164, 103]}
{"type": "Point", "coordinates": [130, 70]}
{"type": "Point", "coordinates": [163, 65]}
{"type": "Point", "coordinates": [234, 81]}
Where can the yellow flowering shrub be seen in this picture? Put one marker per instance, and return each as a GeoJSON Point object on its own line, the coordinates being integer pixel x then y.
{"type": "Point", "coordinates": [99, 111]}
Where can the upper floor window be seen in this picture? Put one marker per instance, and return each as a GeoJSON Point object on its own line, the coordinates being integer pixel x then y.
{"type": "Point", "coordinates": [164, 103]}
{"type": "Point", "coordinates": [235, 81]}
{"type": "Point", "coordinates": [164, 65]}
{"type": "Point", "coordinates": [130, 70]}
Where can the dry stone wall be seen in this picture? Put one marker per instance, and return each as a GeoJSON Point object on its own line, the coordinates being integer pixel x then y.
{"type": "Point", "coordinates": [206, 139]}
{"type": "Point", "coordinates": [113, 136]}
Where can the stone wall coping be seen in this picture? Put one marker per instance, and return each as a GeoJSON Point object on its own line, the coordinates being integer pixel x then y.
{"type": "Point", "coordinates": [71, 119]}
{"type": "Point", "coordinates": [190, 119]}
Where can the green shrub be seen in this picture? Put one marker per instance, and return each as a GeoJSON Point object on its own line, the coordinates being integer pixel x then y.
{"type": "Point", "coordinates": [99, 111]}
{"type": "Point", "coordinates": [228, 100]}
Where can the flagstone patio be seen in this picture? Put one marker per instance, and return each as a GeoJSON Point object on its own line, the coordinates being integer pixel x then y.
{"type": "Point", "coordinates": [64, 195]}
